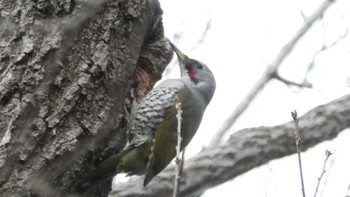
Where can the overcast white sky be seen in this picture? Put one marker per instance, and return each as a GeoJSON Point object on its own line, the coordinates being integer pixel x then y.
{"type": "Point", "coordinates": [243, 38]}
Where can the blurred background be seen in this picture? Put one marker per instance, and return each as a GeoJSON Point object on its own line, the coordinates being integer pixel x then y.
{"type": "Point", "coordinates": [238, 40]}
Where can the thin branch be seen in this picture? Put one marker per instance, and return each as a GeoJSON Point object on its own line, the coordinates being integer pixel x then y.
{"type": "Point", "coordinates": [297, 144]}
{"type": "Point", "coordinates": [328, 154]}
{"type": "Point", "coordinates": [269, 72]}
{"type": "Point", "coordinates": [324, 48]}
{"type": "Point", "coordinates": [178, 159]}
{"type": "Point", "coordinates": [304, 84]}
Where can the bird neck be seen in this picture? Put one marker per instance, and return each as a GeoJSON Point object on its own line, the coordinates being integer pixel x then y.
{"type": "Point", "coordinates": [203, 88]}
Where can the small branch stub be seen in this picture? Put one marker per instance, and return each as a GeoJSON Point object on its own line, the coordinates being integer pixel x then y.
{"type": "Point", "coordinates": [178, 158]}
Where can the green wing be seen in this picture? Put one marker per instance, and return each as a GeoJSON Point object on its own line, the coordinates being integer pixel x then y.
{"type": "Point", "coordinates": [165, 137]}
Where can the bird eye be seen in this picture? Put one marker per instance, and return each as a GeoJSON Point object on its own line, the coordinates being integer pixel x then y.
{"type": "Point", "coordinates": [200, 66]}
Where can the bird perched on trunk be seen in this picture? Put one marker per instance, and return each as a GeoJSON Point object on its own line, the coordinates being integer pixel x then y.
{"type": "Point", "coordinates": [152, 134]}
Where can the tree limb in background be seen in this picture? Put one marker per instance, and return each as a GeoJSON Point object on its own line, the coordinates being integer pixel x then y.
{"type": "Point", "coordinates": [269, 73]}
{"type": "Point", "coordinates": [243, 151]}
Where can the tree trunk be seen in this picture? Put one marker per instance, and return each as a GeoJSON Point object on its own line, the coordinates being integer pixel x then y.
{"type": "Point", "coordinates": [67, 72]}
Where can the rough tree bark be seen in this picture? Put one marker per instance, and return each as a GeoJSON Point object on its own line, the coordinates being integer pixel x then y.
{"type": "Point", "coordinates": [66, 71]}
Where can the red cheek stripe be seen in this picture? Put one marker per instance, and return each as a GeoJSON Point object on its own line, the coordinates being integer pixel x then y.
{"type": "Point", "coordinates": [191, 73]}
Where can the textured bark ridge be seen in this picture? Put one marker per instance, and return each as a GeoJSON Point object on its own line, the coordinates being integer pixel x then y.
{"type": "Point", "coordinates": [66, 70]}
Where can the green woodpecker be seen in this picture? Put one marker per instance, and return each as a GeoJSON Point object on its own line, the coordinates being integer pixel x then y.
{"type": "Point", "coordinates": [152, 134]}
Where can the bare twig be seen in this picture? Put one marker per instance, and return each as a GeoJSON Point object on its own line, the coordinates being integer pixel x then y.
{"type": "Point", "coordinates": [269, 72]}
{"type": "Point", "coordinates": [297, 144]}
{"type": "Point", "coordinates": [324, 48]}
{"type": "Point", "coordinates": [178, 159]}
{"type": "Point", "coordinates": [304, 84]}
{"type": "Point", "coordinates": [328, 154]}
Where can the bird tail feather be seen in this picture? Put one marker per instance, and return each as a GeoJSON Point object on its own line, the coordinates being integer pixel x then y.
{"type": "Point", "coordinates": [150, 173]}
{"type": "Point", "coordinates": [107, 169]}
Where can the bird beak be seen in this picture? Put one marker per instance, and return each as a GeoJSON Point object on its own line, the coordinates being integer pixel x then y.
{"type": "Point", "coordinates": [182, 57]}
{"type": "Point", "coordinates": [182, 60]}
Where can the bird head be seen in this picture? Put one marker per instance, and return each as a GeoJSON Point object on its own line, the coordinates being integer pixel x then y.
{"type": "Point", "coordinates": [201, 77]}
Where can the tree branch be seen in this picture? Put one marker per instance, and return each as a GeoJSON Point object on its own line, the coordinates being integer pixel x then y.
{"type": "Point", "coordinates": [245, 150]}
{"type": "Point", "coordinates": [269, 73]}
{"type": "Point", "coordinates": [304, 84]}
